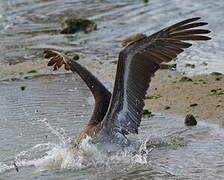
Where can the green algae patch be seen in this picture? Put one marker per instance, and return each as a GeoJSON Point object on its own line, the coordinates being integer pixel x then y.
{"type": "Point", "coordinates": [168, 66]}
{"type": "Point", "coordinates": [216, 74]}
{"type": "Point", "coordinates": [185, 79]}
{"type": "Point", "coordinates": [200, 81]}
{"type": "Point", "coordinates": [190, 65]}
{"type": "Point", "coordinates": [218, 91]}
{"type": "Point", "coordinates": [153, 97]}
{"type": "Point", "coordinates": [132, 38]}
{"type": "Point", "coordinates": [72, 25]}
{"type": "Point", "coordinates": [32, 71]}
{"type": "Point", "coordinates": [147, 114]}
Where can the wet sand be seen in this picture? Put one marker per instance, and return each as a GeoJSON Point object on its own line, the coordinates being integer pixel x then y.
{"type": "Point", "coordinates": [172, 95]}
{"type": "Point", "coordinates": [192, 97]}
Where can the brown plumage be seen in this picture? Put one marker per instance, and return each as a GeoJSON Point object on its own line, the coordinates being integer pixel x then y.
{"type": "Point", "coordinates": [120, 114]}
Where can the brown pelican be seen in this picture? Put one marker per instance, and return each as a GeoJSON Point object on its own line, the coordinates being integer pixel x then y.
{"type": "Point", "coordinates": [118, 114]}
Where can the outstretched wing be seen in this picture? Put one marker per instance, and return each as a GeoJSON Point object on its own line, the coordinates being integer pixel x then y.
{"type": "Point", "coordinates": [101, 94]}
{"type": "Point", "coordinates": [137, 64]}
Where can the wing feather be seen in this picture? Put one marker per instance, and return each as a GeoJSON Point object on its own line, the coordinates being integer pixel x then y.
{"type": "Point", "coordinates": [101, 94]}
{"type": "Point", "coordinates": [137, 63]}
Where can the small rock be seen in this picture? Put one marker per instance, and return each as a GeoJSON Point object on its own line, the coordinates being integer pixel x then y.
{"type": "Point", "coordinates": [14, 79]}
{"type": "Point", "coordinates": [132, 38]}
{"type": "Point", "coordinates": [23, 88]}
{"type": "Point", "coordinates": [193, 105]}
{"type": "Point", "coordinates": [73, 24]}
{"type": "Point", "coordinates": [75, 57]}
{"type": "Point", "coordinates": [190, 120]}
{"type": "Point", "coordinates": [27, 77]}
{"type": "Point", "coordinates": [166, 107]}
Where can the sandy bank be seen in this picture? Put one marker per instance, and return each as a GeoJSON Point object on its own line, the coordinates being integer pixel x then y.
{"type": "Point", "coordinates": [197, 97]}
{"type": "Point", "coordinates": [167, 94]}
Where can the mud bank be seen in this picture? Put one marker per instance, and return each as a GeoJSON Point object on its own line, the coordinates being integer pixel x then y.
{"type": "Point", "coordinates": [201, 95]}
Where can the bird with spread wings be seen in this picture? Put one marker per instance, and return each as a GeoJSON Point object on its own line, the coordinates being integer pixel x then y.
{"type": "Point", "coordinates": [118, 114]}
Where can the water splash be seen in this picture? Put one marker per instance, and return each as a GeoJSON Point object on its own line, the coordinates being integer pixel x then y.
{"type": "Point", "coordinates": [61, 156]}
{"type": "Point", "coordinates": [59, 132]}
{"type": "Point", "coordinates": [4, 167]}
{"type": "Point", "coordinates": [89, 155]}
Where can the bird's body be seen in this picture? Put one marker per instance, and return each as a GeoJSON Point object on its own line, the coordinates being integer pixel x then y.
{"type": "Point", "coordinates": [118, 114]}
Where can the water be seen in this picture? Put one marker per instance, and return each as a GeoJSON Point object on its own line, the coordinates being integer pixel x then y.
{"type": "Point", "coordinates": [38, 123]}
{"type": "Point", "coordinates": [27, 27]}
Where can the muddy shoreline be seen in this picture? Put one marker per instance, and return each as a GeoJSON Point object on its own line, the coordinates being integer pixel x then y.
{"type": "Point", "coordinates": [168, 94]}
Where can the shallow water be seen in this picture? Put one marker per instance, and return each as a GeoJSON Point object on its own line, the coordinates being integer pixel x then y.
{"type": "Point", "coordinates": [29, 26]}
{"type": "Point", "coordinates": [38, 123]}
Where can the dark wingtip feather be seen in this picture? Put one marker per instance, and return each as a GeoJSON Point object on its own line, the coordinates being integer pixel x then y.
{"type": "Point", "coordinates": [189, 26]}
{"type": "Point", "coordinates": [184, 22]}
{"type": "Point", "coordinates": [193, 19]}
{"type": "Point", "coordinates": [51, 62]}
{"type": "Point", "coordinates": [187, 21]}
{"type": "Point", "coordinates": [191, 38]}
{"type": "Point", "coordinates": [208, 38]}
{"type": "Point", "coordinates": [197, 18]}
{"type": "Point", "coordinates": [48, 54]}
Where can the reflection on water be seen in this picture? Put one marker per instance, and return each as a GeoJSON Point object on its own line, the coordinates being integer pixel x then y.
{"type": "Point", "coordinates": [29, 26]}
{"type": "Point", "coordinates": [37, 124]}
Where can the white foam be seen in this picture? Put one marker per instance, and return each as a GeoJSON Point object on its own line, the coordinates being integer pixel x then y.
{"type": "Point", "coordinates": [51, 156]}
{"type": "Point", "coordinates": [56, 158]}
{"type": "Point", "coordinates": [4, 167]}
{"type": "Point", "coordinates": [64, 158]}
